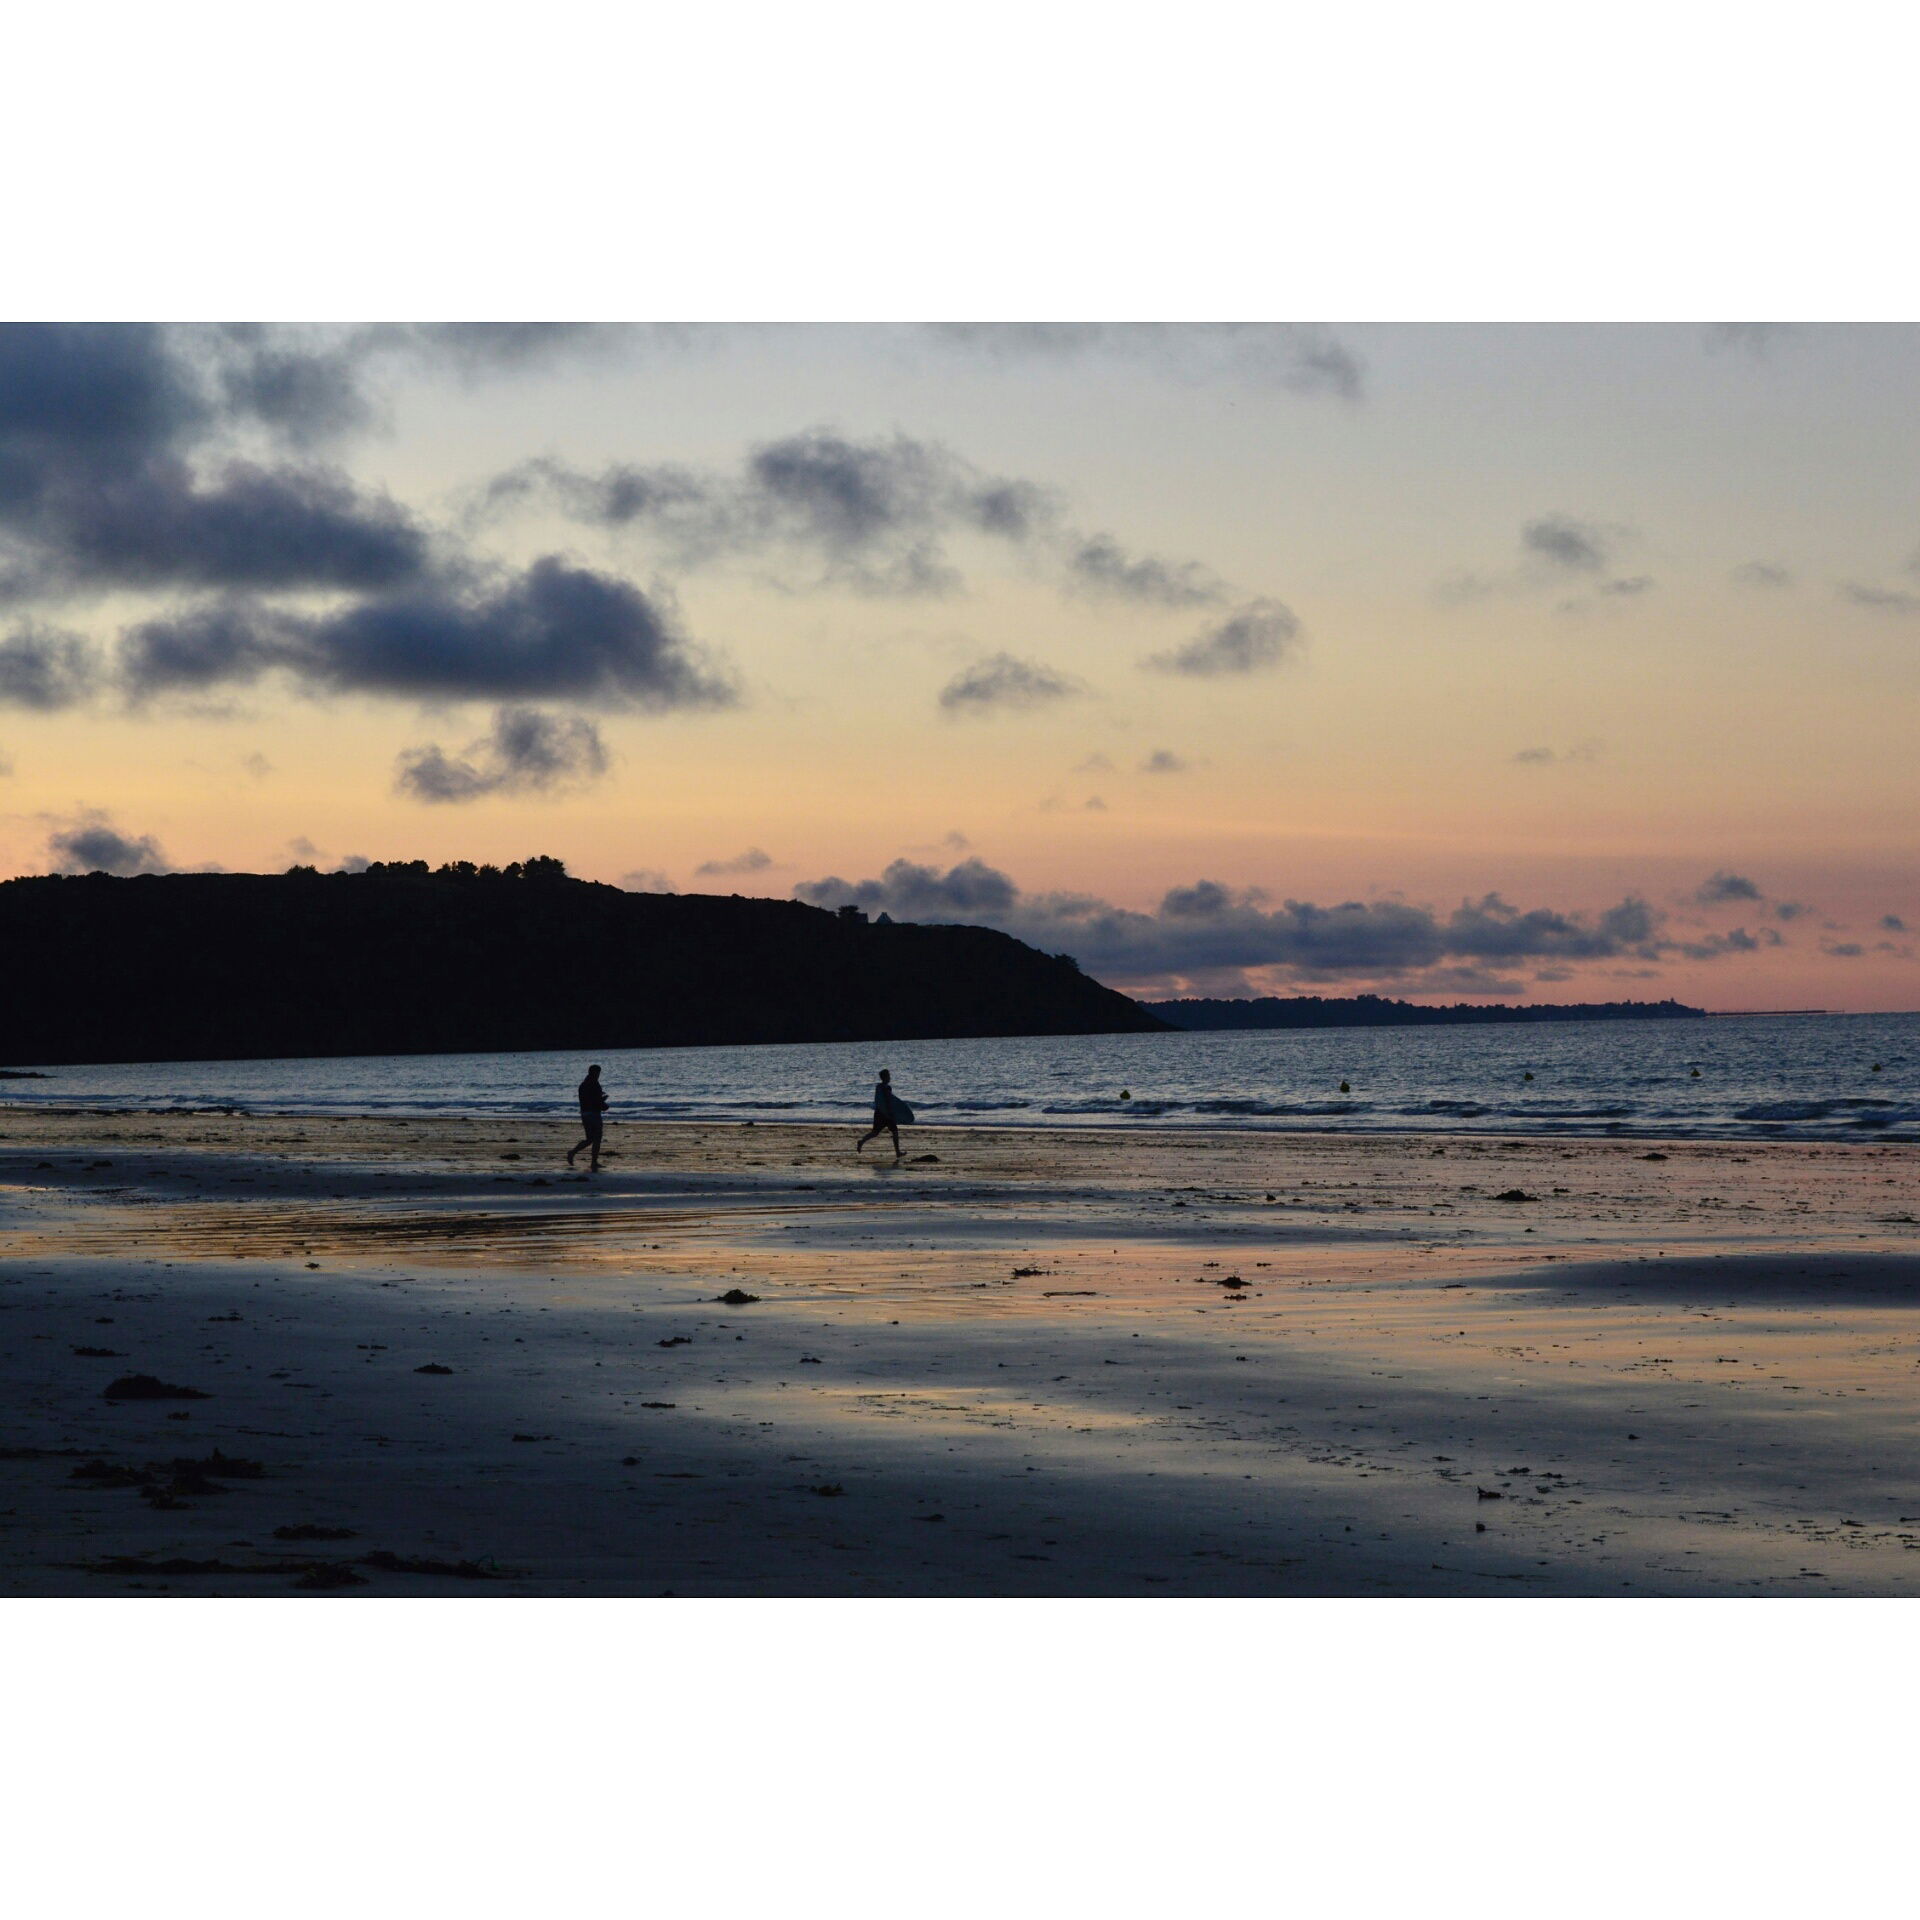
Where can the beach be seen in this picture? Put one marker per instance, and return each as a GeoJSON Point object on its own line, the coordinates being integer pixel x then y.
{"type": "Point", "coordinates": [741, 1360]}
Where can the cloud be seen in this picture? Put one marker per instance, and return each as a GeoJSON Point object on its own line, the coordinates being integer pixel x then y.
{"type": "Point", "coordinates": [112, 475]}
{"type": "Point", "coordinates": [1164, 760]}
{"type": "Point", "coordinates": [1760, 573]}
{"type": "Point", "coordinates": [258, 765]}
{"type": "Point", "coordinates": [45, 669]}
{"type": "Point", "coordinates": [1210, 931]}
{"type": "Point", "coordinates": [6, 767]}
{"type": "Point", "coordinates": [1097, 564]}
{"type": "Point", "coordinates": [1721, 886]}
{"type": "Point", "coordinates": [752, 861]}
{"type": "Point", "coordinates": [1256, 636]}
{"type": "Point", "coordinates": [1293, 358]}
{"type": "Point", "coordinates": [1842, 949]}
{"type": "Point", "coordinates": [91, 843]}
{"type": "Point", "coordinates": [1577, 545]}
{"type": "Point", "coordinates": [869, 516]}
{"type": "Point", "coordinates": [1755, 337]}
{"type": "Point", "coordinates": [1626, 589]}
{"type": "Point", "coordinates": [1790, 910]}
{"type": "Point", "coordinates": [1892, 600]}
{"type": "Point", "coordinates": [554, 632]}
{"type": "Point", "coordinates": [1001, 683]}
{"type": "Point", "coordinates": [526, 752]}
{"type": "Point", "coordinates": [646, 880]}
{"type": "Point", "coordinates": [1892, 923]}
{"type": "Point", "coordinates": [1583, 751]}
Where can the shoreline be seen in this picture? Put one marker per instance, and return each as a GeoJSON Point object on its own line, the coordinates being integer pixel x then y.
{"type": "Point", "coordinates": [1153, 1361]}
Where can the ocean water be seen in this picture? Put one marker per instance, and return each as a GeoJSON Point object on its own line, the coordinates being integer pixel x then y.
{"type": "Point", "coordinates": [1807, 1078]}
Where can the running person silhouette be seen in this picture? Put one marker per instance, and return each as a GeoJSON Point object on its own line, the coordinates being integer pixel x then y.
{"type": "Point", "coordinates": [889, 1110]}
{"type": "Point", "coordinates": [593, 1104]}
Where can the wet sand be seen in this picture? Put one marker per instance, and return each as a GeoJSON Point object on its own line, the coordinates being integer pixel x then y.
{"type": "Point", "coordinates": [1069, 1363]}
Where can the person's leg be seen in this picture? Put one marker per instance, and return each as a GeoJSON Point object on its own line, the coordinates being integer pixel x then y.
{"type": "Point", "coordinates": [596, 1130]}
{"type": "Point", "coordinates": [575, 1148]}
{"type": "Point", "coordinates": [897, 1148]}
{"type": "Point", "coordinates": [865, 1137]}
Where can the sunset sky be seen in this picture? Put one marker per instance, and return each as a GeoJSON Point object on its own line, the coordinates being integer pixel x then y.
{"type": "Point", "coordinates": [1549, 662]}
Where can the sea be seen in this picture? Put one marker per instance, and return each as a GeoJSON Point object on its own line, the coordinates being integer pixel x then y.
{"type": "Point", "coordinates": [1830, 1077]}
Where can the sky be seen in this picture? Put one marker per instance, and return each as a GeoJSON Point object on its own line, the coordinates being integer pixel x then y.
{"type": "Point", "coordinates": [1544, 662]}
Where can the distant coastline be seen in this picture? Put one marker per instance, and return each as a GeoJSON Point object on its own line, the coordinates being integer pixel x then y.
{"type": "Point", "coordinates": [1371, 1010]}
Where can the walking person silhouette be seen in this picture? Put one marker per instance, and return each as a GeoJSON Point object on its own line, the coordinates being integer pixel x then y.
{"type": "Point", "coordinates": [889, 1110]}
{"type": "Point", "coordinates": [593, 1104]}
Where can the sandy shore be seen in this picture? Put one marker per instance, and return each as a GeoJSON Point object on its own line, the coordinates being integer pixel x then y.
{"type": "Point", "coordinates": [1033, 1363]}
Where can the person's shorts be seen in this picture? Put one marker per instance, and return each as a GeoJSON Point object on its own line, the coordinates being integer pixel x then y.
{"type": "Point", "coordinates": [593, 1124]}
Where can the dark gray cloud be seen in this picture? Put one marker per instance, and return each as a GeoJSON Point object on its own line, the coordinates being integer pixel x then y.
{"type": "Point", "coordinates": [91, 843]}
{"type": "Point", "coordinates": [1625, 589]}
{"type": "Point", "coordinates": [1761, 573]}
{"type": "Point", "coordinates": [112, 474]}
{"type": "Point", "coordinates": [1892, 923]}
{"type": "Point", "coordinates": [45, 669]}
{"type": "Point", "coordinates": [554, 632]}
{"type": "Point", "coordinates": [647, 880]}
{"type": "Point", "coordinates": [1293, 358]}
{"type": "Point", "coordinates": [1790, 910]}
{"type": "Point", "coordinates": [1894, 600]}
{"type": "Point", "coordinates": [1721, 886]}
{"type": "Point", "coordinates": [1755, 337]}
{"type": "Point", "coordinates": [1255, 636]}
{"type": "Point", "coordinates": [1581, 752]}
{"type": "Point", "coordinates": [1001, 683]}
{"type": "Point", "coordinates": [1164, 760]}
{"type": "Point", "coordinates": [1217, 933]}
{"type": "Point", "coordinates": [1842, 949]}
{"type": "Point", "coordinates": [754, 860]}
{"type": "Point", "coordinates": [1098, 564]}
{"type": "Point", "coordinates": [871, 516]}
{"type": "Point", "coordinates": [1577, 545]}
{"type": "Point", "coordinates": [527, 751]}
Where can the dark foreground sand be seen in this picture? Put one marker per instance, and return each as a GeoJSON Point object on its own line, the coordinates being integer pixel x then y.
{"type": "Point", "coordinates": [1019, 1368]}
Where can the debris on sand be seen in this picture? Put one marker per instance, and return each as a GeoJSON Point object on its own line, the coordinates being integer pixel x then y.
{"type": "Point", "coordinates": [533, 1436]}
{"type": "Point", "coordinates": [323, 1577]}
{"type": "Point", "coordinates": [1515, 1194]}
{"type": "Point", "coordinates": [828, 1489]}
{"type": "Point", "coordinates": [1653, 1156]}
{"type": "Point", "coordinates": [143, 1386]}
{"type": "Point", "coordinates": [1486, 1494]}
{"type": "Point", "coordinates": [108, 1473]}
{"type": "Point", "coordinates": [933, 1159]}
{"type": "Point", "coordinates": [433, 1366]}
{"type": "Point", "coordinates": [386, 1562]}
{"type": "Point", "coordinates": [1027, 1273]}
{"type": "Point", "coordinates": [1069, 1293]}
{"type": "Point", "coordinates": [737, 1297]}
{"type": "Point", "coordinates": [314, 1533]}
{"type": "Point", "coordinates": [1232, 1280]}
{"type": "Point", "coordinates": [678, 1340]}
{"type": "Point", "coordinates": [220, 1466]}
{"type": "Point", "coordinates": [661, 1406]}
{"type": "Point", "coordinates": [97, 1353]}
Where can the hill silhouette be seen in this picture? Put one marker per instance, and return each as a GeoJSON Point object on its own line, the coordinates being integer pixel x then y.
{"type": "Point", "coordinates": [460, 959]}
